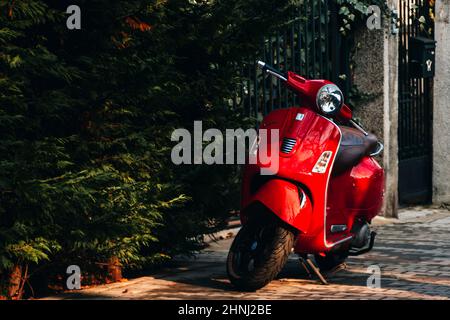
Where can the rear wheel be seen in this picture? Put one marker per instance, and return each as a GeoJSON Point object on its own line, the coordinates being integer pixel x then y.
{"type": "Point", "coordinates": [259, 252]}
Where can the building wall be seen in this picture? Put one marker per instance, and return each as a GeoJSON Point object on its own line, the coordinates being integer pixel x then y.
{"type": "Point", "coordinates": [376, 74]}
{"type": "Point", "coordinates": [390, 120]}
{"type": "Point", "coordinates": [369, 80]}
{"type": "Point", "coordinates": [441, 108]}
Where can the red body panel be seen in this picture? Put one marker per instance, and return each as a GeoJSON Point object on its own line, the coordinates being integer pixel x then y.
{"type": "Point", "coordinates": [282, 197]}
{"type": "Point", "coordinates": [312, 202]}
{"type": "Point", "coordinates": [357, 193]}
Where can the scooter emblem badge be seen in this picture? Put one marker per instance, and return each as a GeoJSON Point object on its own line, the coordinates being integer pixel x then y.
{"type": "Point", "coordinates": [429, 64]}
{"type": "Point", "coordinates": [299, 116]}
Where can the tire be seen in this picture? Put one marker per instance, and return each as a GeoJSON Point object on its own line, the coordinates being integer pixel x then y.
{"type": "Point", "coordinates": [258, 253]}
{"type": "Point", "coordinates": [330, 261]}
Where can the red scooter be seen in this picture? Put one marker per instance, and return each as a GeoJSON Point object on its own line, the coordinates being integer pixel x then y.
{"type": "Point", "coordinates": [321, 201]}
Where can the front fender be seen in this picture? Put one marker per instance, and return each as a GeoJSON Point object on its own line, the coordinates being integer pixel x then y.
{"type": "Point", "coordinates": [285, 200]}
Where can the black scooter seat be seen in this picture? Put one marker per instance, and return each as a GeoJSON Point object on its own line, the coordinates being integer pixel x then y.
{"type": "Point", "coordinates": [355, 145]}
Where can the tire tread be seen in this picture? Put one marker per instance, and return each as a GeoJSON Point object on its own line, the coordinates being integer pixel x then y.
{"type": "Point", "coordinates": [280, 249]}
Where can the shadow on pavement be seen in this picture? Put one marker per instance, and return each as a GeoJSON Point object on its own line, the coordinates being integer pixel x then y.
{"type": "Point", "coordinates": [208, 280]}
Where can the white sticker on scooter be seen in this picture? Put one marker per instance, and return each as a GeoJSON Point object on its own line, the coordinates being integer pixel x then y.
{"type": "Point", "coordinates": [322, 164]}
{"type": "Point", "coordinates": [300, 117]}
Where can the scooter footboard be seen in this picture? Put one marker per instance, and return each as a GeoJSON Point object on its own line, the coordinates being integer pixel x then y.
{"type": "Point", "coordinates": [285, 200]}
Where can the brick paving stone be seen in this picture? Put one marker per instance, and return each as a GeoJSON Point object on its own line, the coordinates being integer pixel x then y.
{"type": "Point", "coordinates": [413, 254]}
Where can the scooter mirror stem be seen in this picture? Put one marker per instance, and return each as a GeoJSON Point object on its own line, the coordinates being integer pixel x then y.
{"type": "Point", "coordinates": [357, 126]}
{"type": "Point", "coordinates": [265, 67]}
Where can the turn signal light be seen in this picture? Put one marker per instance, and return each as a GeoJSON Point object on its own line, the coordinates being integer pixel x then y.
{"type": "Point", "coordinates": [322, 164]}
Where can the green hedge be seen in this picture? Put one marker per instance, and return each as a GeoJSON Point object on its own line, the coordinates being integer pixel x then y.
{"type": "Point", "coordinates": [85, 123]}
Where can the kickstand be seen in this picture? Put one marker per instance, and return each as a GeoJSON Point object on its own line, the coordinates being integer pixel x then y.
{"type": "Point", "coordinates": [307, 265]}
{"type": "Point", "coordinates": [316, 271]}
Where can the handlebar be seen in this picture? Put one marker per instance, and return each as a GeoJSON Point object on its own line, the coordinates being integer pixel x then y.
{"type": "Point", "coordinates": [308, 89]}
{"type": "Point", "coordinates": [269, 69]}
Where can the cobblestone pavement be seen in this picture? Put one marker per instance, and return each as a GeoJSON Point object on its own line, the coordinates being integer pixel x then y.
{"type": "Point", "coordinates": [412, 252]}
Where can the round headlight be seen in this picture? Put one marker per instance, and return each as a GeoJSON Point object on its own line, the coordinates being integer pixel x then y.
{"type": "Point", "coordinates": [330, 99]}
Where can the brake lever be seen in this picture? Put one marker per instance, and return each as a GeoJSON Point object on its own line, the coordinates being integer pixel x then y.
{"type": "Point", "coordinates": [357, 126]}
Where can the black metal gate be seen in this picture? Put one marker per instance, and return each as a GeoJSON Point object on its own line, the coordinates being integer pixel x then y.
{"type": "Point", "coordinates": [311, 45]}
{"type": "Point", "coordinates": [415, 106]}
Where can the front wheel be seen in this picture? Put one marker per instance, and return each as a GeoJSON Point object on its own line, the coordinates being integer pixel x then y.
{"type": "Point", "coordinates": [258, 253]}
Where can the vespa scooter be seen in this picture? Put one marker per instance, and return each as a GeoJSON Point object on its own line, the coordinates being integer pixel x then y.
{"type": "Point", "coordinates": [326, 192]}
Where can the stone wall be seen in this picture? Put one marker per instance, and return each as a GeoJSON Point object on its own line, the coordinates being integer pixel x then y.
{"type": "Point", "coordinates": [441, 111]}
{"type": "Point", "coordinates": [390, 121]}
{"type": "Point", "coordinates": [368, 78]}
{"type": "Point", "coordinates": [376, 73]}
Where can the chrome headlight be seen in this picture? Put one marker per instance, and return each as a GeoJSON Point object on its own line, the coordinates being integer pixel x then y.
{"type": "Point", "coordinates": [330, 99]}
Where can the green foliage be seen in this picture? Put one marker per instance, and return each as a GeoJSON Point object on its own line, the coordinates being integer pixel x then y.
{"type": "Point", "coordinates": [353, 12]}
{"type": "Point", "coordinates": [86, 118]}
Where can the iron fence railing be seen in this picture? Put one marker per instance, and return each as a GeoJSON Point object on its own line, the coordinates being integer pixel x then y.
{"type": "Point", "coordinates": [415, 94]}
{"type": "Point", "coordinates": [415, 107]}
{"type": "Point", "coordinates": [311, 45]}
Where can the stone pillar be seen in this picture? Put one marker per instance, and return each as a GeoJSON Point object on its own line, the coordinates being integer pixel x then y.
{"type": "Point", "coordinates": [441, 108]}
{"type": "Point", "coordinates": [390, 121]}
{"type": "Point", "coordinates": [376, 74]}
